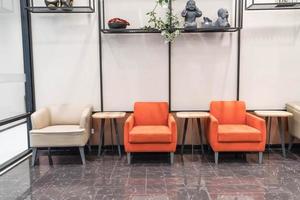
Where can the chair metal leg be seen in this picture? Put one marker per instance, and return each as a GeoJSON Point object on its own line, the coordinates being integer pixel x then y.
{"type": "Point", "coordinates": [260, 157]}
{"type": "Point", "coordinates": [216, 158]}
{"type": "Point", "coordinates": [49, 152]}
{"type": "Point", "coordinates": [292, 138]}
{"type": "Point", "coordinates": [172, 157]}
{"type": "Point", "coordinates": [101, 140]}
{"type": "Point", "coordinates": [281, 132]}
{"type": "Point", "coordinates": [118, 137]}
{"type": "Point", "coordinates": [184, 134]}
{"type": "Point", "coordinates": [34, 154]}
{"type": "Point", "coordinates": [81, 150]}
{"type": "Point", "coordinates": [269, 129]}
{"type": "Point", "coordinates": [128, 158]}
{"type": "Point", "coordinates": [49, 156]}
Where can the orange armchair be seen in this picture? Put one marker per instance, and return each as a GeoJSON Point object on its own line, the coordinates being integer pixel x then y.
{"type": "Point", "coordinates": [232, 129]}
{"type": "Point", "coordinates": [150, 129]}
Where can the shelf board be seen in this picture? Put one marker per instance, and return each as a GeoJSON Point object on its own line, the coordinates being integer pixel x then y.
{"type": "Point", "coordinates": [127, 31]}
{"type": "Point", "coordinates": [273, 6]}
{"type": "Point", "coordinates": [198, 30]}
{"type": "Point", "coordinates": [83, 9]}
{"type": "Point", "coordinates": [211, 29]}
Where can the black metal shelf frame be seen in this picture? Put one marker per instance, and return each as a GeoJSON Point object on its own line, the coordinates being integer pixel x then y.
{"type": "Point", "coordinates": [90, 8]}
{"type": "Point", "coordinates": [289, 5]}
{"type": "Point", "coordinates": [238, 25]}
{"type": "Point", "coordinates": [198, 30]}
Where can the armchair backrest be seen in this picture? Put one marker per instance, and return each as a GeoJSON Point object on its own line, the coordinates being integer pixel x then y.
{"type": "Point", "coordinates": [151, 113]}
{"type": "Point", "coordinates": [229, 112]}
{"type": "Point", "coordinates": [66, 114]}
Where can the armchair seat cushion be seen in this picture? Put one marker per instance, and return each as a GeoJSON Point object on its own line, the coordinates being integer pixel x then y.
{"type": "Point", "coordinates": [60, 129]}
{"type": "Point", "coordinates": [238, 133]}
{"type": "Point", "coordinates": [150, 134]}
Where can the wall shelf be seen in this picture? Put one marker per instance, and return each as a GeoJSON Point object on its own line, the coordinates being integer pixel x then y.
{"type": "Point", "coordinates": [255, 5]}
{"type": "Point", "coordinates": [236, 23]}
{"type": "Point", "coordinates": [143, 31]}
{"type": "Point", "coordinates": [211, 29]}
{"type": "Point", "coordinates": [128, 31]}
{"type": "Point", "coordinates": [33, 8]}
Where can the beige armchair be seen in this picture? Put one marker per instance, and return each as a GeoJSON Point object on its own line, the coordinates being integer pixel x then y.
{"type": "Point", "coordinates": [294, 122]}
{"type": "Point", "coordinates": [61, 126]}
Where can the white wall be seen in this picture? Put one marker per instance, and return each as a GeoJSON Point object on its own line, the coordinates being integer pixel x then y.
{"type": "Point", "coordinates": [270, 59]}
{"type": "Point", "coordinates": [135, 67]}
{"type": "Point", "coordinates": [66, 59]}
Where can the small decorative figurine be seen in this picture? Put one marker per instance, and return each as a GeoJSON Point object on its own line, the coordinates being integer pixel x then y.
{"type": "Point", "coordinates": [66, 5]}
{"type": "Point", "coordinates": [222, 20]}
{"type": "Point", "coordinates": [52, 4]}
{"type": "Point", "coordinates": [207, 23]}
{"type": "Point", "coordinates": [190, 13]}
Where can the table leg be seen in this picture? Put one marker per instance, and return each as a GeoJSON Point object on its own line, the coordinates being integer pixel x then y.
{"type": "Point", "coordinates": [281, 132]}
{"type": "Point", "coordinates": [111, 135]}
{"type": "Point", "coordinates": [118, 137]}
{"type": "Point", "coordinates": [200, 135]}
{"type": "Point", "coordinates": [192, 135]}
{"type": "Point", "coordinates": [184, 134]}
{"type": "Point", "coordinates": [101, 140]}
{"type": "Point", "coordinates": [269, 125]}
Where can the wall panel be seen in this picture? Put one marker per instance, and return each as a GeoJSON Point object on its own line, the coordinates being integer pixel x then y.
{"type": "Point", "coordinates": [66, 59]}
{"type": "Point", "coordinates": [204, 69]}
{"type": "Point", "coordinates": [270, 59]}
{"type": "Point", "coordinates": [135, 68]}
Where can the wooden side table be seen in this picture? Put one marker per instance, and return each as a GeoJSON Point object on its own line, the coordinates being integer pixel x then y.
{"type": "Point", "coordinates": [190, 116]}
{"type": "Point", "coordinates": [112, 117]}
{"type": "Point", "coordinates": [280, 116]}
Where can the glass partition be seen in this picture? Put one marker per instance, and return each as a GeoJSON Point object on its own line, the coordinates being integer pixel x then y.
{"type": "Point", "coordinates": [13, 134]}
{"type": "Point", "coordinates": [12, 77]}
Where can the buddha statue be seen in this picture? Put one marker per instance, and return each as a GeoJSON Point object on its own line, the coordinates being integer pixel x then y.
{"type": "Point", "coordinates": [222, 20]}
{"type": "Point", "coordinates": [190, 13]}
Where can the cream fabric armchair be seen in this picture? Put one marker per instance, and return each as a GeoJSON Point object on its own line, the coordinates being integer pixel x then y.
{"type": "Point", "coordinates": [294, 122]}
{"type": "Point", "coordinates": [61, 126]}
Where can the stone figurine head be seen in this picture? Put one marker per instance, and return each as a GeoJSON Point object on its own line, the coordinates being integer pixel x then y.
{"type": "Point", "coordinates": [190, 13]}
{"type": "Point", "coordinates": [223, 13]}
{"type": "Point", "coordinates": [190, 5]}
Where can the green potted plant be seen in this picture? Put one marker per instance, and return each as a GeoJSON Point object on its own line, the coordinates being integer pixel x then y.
{"type": "Point", "coordinates": [166, 25]}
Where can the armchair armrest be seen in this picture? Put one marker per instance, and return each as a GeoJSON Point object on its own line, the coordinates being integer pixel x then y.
{"type": "Point", "coordinates": [212, 131]}
{"type": "Point", "coordinates": [40, 119]}
{"type": "Point", "coordinates": [173, 127]}
{"type": "Point", "coordinates": [85, 119]}
{"type": "Point", "coordinates": [294, 122]}
{"type": "Point", "coordinates": [129, 123]}
{"type": "Point", "coordinates": [256, 122]}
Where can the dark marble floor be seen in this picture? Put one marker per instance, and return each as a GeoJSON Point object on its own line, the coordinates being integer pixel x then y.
{"type": "Point", "coordinates": [237, 177]}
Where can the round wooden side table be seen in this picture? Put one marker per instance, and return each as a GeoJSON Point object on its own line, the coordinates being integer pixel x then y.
{"type": "Point", "coordinates": [187, 116]}
{"type": "Point", "coordinates": [112, 117]}
{"type": "Point", "coordinates": [280, 116]}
